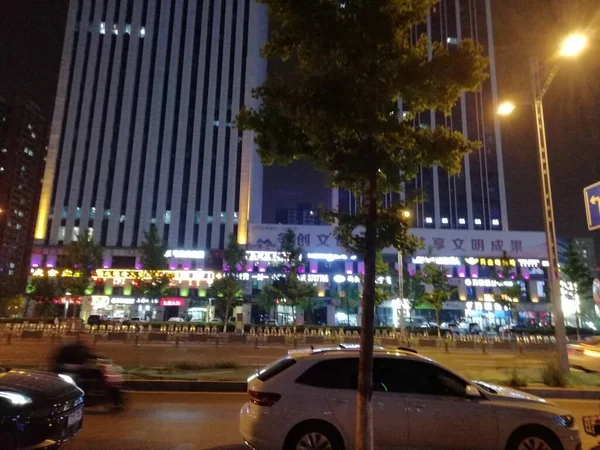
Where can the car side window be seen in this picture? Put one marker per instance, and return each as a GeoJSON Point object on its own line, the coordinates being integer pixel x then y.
{"type": "Point", "coordinates": [415, 377]}
{"type": "Point", "coordinates": [332, 374]}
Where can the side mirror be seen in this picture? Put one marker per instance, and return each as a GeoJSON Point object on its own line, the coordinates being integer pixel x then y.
{"type": "Point", "coordinates": [472, 392]}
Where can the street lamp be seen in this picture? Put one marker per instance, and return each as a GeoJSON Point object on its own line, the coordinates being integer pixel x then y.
{"type": "Point", "coordinates": [572, 46]}
{"type": "Point", "coordinates": [406, 214]}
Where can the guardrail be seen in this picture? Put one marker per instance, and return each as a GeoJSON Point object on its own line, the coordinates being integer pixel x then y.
{"type": "Point", "coordinates": [178, 334]}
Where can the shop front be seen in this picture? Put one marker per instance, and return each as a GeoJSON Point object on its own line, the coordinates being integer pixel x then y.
{"type": "Point", "coordinates": [125, 307]}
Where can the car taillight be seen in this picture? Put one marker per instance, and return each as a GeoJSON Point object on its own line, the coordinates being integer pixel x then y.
{"type": "Point", "coordinates": [263, 398]}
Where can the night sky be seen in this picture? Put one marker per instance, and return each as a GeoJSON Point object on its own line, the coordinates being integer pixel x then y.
{"type": "Point", "coordinates": [31, 33]}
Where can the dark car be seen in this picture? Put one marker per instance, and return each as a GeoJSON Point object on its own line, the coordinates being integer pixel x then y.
{"type": "Point", "coordinates": [38, 410]}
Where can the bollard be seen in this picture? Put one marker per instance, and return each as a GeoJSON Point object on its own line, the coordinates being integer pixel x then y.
{"type": "Point", "coordinates": [483, 348]}
{"type": "Point", "coordinates": [446, 347]}
{"type": "Point", "coordinates": [177, 340]}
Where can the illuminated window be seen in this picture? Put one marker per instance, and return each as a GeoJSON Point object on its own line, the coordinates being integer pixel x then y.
{"type": "Point", "coordinates": [115, 29]}
{"type": "Point", "coordinates": [127, 29]}
{"type": "Point", "coordinates": [428, 220]}
{"type": "Point", "coordinates": [167, 217]}
{"type": "Point", "coordinates": [495, 222]}
{"type": "Point", "coordinates": [444, 220]}
{"type": "Point", "coordinates": [143, 32]}
{"type": "Point", "coordinates": [452, 41]}
{"type": "Point", "coordinates": [102, 28]}
{"type": "Point", "coordinates": [477, 221]}
{"type": "Point", "coordinates": [462, 221]}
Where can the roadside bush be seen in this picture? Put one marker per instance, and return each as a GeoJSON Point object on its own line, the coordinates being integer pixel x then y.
{"type": "Point", "coordinates": [515, 379]}
{"type": "Point", "coordinates": [552, 375]}
{"type": "Point", "coordinates": [196, 366]}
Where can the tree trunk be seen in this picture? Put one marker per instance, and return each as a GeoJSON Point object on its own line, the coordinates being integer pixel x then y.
{"type": "Point", "coordinates": [226, 318]}
{"type": "Point", "coordinates": [437, 321]}
{"type": "Point", "coordinates": [364, 406]}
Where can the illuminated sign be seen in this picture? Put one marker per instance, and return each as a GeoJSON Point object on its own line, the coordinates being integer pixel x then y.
{"type": "Point", "coordinates": [346, 278]}
{"type": "Point", "coordinates": [439, 260]}
{"type": "Point", "coordinates": [591, 195]}
{"type": "Point", "coordinates": [314, 277]}
{"type": "Point", "coordinates": [266, 256]}
{"type": "Point", "coordinates": [478, 282]}
{"type": "Point", "coordinates": [178, 275]}
{"type": "Point", "coordinates": [330, 256]}
{"type": "Point", "coordinates": [132, 301]}
{"type": "Point", "coordinates": [485, 306]}
{"type": "Point", "coordinates": [172, 302]}
{"type": "Point", "coordinates": [185, 254]}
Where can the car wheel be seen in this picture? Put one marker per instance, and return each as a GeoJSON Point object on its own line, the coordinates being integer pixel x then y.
{"type": "Point", "coordinates": [314, 435]}
{"type": "Point", "coordinates": [534, 439]}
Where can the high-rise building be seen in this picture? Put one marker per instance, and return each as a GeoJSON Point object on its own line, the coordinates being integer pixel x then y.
{"type": "Point", "coordinates": [142, 129]}
{"type": "Point", "coordinates": [22, 150]}
{"type": "Point", "coordinates": [475, 199]}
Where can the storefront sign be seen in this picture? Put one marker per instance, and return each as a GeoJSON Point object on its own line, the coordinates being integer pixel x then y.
{"type": "Point", "coordinates": [484, 306]}
{"type": "Point", "coordinates": [477, 243]}
{"type": "Point", "coordinates": [172, 302]}
{"type": "Point", "coordinates": [132, 301]}
{"type": "Point", "coordinates": [346, 278]}
{"type": "Point", "coordinates": [330, 256]}
{"type": "Point", "coordinates": [266, 256]}
{"type": "Point", "coordinates": [479, 282]}
{"type": "Point", "coordinates": [178, 275]}
{"type": "Point", "coordinates": [185, 254]}
{"type": "Point", "coordinates": [439, 260]}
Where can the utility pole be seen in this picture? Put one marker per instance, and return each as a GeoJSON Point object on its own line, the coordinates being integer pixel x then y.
{"type": "Point", "coordinates": [551, 242]}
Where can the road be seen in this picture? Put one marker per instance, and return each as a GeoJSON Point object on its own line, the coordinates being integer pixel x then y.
{"type": "Point", "coordinates": [184, 421]}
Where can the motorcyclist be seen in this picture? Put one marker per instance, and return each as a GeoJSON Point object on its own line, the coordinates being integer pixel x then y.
{"type": "Point", "coordinates": [76, 359]}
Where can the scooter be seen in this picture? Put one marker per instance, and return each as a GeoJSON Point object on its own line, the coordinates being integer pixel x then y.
{"type": "Point", "coordinates": [101, 380]}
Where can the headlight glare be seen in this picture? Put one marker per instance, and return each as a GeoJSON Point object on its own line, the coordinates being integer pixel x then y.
{"type": "Point", "coordinates": [67, 378]}
{"type": "Point", "coordinates": [15, 398]}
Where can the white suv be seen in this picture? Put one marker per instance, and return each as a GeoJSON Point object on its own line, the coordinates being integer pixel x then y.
{"type": "Point", "coordinates": [307, 401]}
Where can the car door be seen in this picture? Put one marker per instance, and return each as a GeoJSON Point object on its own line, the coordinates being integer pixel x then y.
{"type": "Point", "coordinates": [338, 379]}
{"type": "Point", "coordinates": [440, 415]}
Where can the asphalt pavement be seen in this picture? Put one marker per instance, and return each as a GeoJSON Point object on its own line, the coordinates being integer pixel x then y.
{"type": "Point", "coordinates": [190, 421]}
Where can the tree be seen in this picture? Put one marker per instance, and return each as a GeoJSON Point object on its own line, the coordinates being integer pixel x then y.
{"type": "Point", "coordinates": [509, 289]}
{"type": "Point", "coordinates": [288, 287]}
{"type": "Point", "coordinates": [348, 294]}
{"type": "Point", "coordinates": [414, 291]}
{"type": "Point", "coordinates": [45, 291]}
{"type": "Point", "coordinates": [338, 110]}
{"type": "Point", "coordinates": [228, 289]}
{"type": "Point", "coordinates": [83, 256]}
{"type": "Point", "coordinates": [436, 277]}
{"type": "Point", "coordinates": [574, 269]}
{"type": "Point", "coordinates": [154, 281]}
{"type": "Point", "coordinates": [12, 306]}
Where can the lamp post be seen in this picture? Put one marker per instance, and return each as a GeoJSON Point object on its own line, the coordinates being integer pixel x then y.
{"type": "Point", "coordinates": [572, 46]}
{"type": "Point", "coordinates": [405, 215]}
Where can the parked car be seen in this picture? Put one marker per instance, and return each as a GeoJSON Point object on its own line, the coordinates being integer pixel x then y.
{"type": "Point", "coordinates": [38, 410]}
{"type": "Point", "coordinates": [307, 400]}
{"type": "Point", "coordinates": [216, 321]}
{"type": "Point", "coordinates": [271, 323]}
{"type": "Point", "coordinates": [96, 319]}
{"type": "Point", "coordinates": [449, 329]}
{"type": "Point", "coordinates": [176, 319]}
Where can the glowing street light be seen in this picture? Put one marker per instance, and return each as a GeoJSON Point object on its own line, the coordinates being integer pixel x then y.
{"type": "Point", "coordinates": [506, 108]}
{"type": "Point", "coordinates": [573, 45]}
{"type": "Point", "coordinates": [406, 214]}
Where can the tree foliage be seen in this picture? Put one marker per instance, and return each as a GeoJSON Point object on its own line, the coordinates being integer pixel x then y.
{"type": "Point", "coordinates": [348, 294]}
{"type": "Point", "coordinates": [83, 256]}
{"type": "Point", "coordinates": [508, 296]}
{"type": "Point", "coordinates": [44, 291]}
{"type": "Point", "coordinates": [574, 269]}
{"type": "Point", "coordinates": [440, 291]}
{"type": "Point", "coordinates": [228, 289]}
{"type": "Point", "coordinates": [288, 288]}
{"type": "Point", "coordinates": [154, 281]}
{"type": "Point", "coordinates": [338, 110]}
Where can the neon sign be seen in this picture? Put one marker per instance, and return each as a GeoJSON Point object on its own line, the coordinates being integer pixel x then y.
{"type": "Point", "coordinates": [185, 254]}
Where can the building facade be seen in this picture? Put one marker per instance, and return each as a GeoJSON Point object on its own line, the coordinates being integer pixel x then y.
{"type": "Point", "coordinates": [142, 128]}
{"type": "Point", "coordinates": [475, 199]}
{"type": "Point", "coordinates": [22, 150]}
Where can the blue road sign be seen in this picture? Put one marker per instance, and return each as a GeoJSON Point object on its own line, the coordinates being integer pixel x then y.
{"type": "Point", "coordinates": [591, 195]}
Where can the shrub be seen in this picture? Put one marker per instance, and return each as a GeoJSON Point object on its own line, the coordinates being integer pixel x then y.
{"type": "Point", "coordinates": [552, 375]}
{"type": "Point", "coordinates": [515, 379]}
{"type": "Point", "coordinates": [195, 366]}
